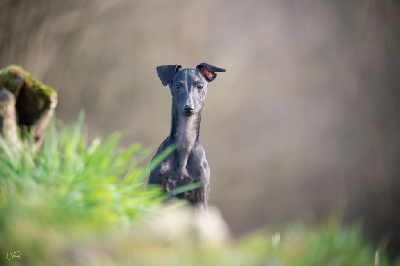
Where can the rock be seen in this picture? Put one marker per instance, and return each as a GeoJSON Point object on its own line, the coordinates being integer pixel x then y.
{"type": "Point", "coordinates": [8, 124]}
{"type": "Point", "coordinates": [186, 226]}
{"type": "Point", "coordinates": [33, 104]}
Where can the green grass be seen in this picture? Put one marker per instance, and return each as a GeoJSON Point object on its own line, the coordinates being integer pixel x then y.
{"type": "Point", "coordinates": [70, 186]}
{"type": "Point", "coordinates": [326, 244]}
{"type": "Point", "coordinates": [79, 203]}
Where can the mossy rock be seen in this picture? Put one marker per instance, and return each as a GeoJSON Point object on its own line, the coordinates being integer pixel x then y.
{"type": "Point", "coordinates": [32, 96]}
{"type": "Point", "coordinates": [34, 101]}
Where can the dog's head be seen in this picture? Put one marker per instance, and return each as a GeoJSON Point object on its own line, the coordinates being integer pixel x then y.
{"type": "Point", "coordinates": [188, 86]}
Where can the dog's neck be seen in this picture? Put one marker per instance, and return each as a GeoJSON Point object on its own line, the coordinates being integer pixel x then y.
{"type": "Point", "coordinates": [185, 133]}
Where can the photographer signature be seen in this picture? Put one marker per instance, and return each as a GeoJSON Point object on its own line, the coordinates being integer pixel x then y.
{"type": "Point", "coordinates": [14, 255]}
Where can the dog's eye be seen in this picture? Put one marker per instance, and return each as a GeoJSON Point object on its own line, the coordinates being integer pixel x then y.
{"type": "Point", "coordinates": [199, 86]}
{"type": "Point", "coordinates": [178, 85]}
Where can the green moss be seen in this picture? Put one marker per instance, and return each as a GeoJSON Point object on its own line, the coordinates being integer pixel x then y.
{"type": "Point", "coordinates": [9, 78]}
{"type": "Point", "coordinates": [33, 98]}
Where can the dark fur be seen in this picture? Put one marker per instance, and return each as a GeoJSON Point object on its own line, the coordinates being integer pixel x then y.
{"type": "Point", "coordinates": [187, 164]}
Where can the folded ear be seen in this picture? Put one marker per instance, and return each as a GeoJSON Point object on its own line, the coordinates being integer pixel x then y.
{"type": "Point", "coordinates": [208, 71]}
{"type": "Point", "coordinates": [167, 72]}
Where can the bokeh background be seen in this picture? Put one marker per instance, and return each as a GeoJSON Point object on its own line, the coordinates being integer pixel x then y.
{"type": "Point", "coordinates": [305, 121]}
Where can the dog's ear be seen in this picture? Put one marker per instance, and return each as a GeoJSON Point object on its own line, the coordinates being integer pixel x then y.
{"type": "Point", "coordinates": [167, 72]}
{"type": "Point", "coordinates": [208, 71]}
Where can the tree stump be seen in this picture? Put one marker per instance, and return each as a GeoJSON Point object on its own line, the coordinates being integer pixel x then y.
{"type": "Point", "coordinates": [26, 106]}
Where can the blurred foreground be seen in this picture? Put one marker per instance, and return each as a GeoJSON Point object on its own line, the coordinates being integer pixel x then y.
{"type": "Point", "coordinates": [67, 205]}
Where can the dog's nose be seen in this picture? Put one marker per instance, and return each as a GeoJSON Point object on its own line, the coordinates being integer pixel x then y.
{"type": "Point", "coordinates": [188, 108]}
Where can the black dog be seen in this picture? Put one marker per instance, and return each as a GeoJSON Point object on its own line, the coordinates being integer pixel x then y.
{"type": "Point", "coordinates": [187, 164]}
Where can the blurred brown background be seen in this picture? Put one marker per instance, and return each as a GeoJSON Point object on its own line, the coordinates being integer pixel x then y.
{"type": "Point", "coordinates": [305, 120]}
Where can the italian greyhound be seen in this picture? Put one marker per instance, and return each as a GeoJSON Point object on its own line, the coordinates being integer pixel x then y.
{"type": "Point", "coordinates": [187, 164]}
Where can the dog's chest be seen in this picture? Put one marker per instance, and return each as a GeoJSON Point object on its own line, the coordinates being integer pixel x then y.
{"type": "Point", "coordinates": [172, 168]}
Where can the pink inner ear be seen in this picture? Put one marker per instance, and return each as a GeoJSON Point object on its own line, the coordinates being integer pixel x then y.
{"type": "Point", "coordinates": [207, 73]}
